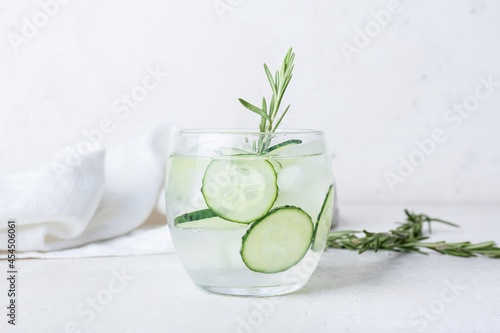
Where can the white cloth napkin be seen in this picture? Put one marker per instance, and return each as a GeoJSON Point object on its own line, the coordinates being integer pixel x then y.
{"type": "Point", "coordinates": [79, 198]}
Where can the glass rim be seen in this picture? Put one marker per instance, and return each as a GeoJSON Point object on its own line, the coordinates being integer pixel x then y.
{"type": "Point", "coordinates": [244, 131]}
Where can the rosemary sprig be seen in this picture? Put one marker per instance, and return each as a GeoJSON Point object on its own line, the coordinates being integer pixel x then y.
{"type": "Point", "coordinates": [269, 115]}
{"type": "Point", "coordinates": [408, 237]}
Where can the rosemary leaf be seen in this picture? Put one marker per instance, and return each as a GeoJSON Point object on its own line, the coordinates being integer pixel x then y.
{"type": "Point", "coordinates": [278, 83]}
{"type": "Point", "coordinates": [254, 109]}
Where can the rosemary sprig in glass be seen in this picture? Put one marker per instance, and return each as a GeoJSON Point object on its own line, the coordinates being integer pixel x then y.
{"type": "Point", "coordinates": [269, 115]}
{"type": "Point", "coordinates": [408, 237]}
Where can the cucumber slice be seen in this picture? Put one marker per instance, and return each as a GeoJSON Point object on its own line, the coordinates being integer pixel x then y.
{"type": "Point", "coordinates": [204, 219]}
{"type": "Point", "coordinates": [276, 149]}
{"type": "Point", "coordinates": [305, 149]}
{"type": "Point", "coordinates": [184, 178]}
{"type": "Point", "coordinates": [226, 151]}
{"type": "Point", "coordinates": [278, 241]}
{"type": "Point", "coordinates": [276, 165]}
{"type": "Point", "coordinates": [240, 189]}
{"type": "Point", "coordinates": [324, 223]}
{"type": "Point", "coordinates": [194, 216]}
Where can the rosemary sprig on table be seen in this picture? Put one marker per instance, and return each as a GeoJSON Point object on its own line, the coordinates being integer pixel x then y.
{"type": "Point", "coordinates": [279, 83]}
{"type": "Point", "coordinates": [408, 237]}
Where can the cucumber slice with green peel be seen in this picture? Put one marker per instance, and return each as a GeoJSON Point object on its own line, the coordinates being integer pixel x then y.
{"type": "Point", "coordinates": [305, 149]}
{"type": "Point", "coordinates": [194, 216]}
{"type": "Point", "coordinates": [240, 189]}
{"type": "Point", "coordinates": [276, 149]}
{"type": "Point", "coordinates": [324, 222]}
{"type": "Point", "coordinates": [278, 241]}
{"type": "Point", "coordinates": [276, 165]}
{"type": "Point", "coordinates": [227, 151]}
{"type": "Point", "coordinates": [204, 219]}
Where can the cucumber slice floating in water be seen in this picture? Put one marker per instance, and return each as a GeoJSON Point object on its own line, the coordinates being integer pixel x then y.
{"type": "Point", "coordinates": [278, 241]}
{"type": "Point", "coordinates": [324, 223]}
{"type": "Point", "coordinates": [204, 219]}
{"type": "Point", "coordinates": [240, 189]}
{"type": "Point", "coordinates": [276, 149]}
{"type": "Point", "coordinates": [228, 151]}
{"type": "Point", "coordinates": [194, 216]}
{"type": "Point", "coordinates": [304, 149]}
{"type": "Point", "coordinates": [276, 165]}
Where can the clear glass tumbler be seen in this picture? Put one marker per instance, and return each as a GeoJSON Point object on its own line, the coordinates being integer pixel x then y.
{"type": "Point", "coordinates": [249, 213]}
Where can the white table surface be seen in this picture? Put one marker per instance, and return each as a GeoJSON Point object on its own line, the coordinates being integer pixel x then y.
{"type": "Point", "coordinates": [375, 292]}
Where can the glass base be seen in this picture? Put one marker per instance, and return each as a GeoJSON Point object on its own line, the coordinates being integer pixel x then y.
{"type": "Point", "coordinates": [253, 291]}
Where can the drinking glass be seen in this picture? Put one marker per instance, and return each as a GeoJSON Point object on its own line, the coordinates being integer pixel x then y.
{"type": "Point", "coordinates": [249, 212]}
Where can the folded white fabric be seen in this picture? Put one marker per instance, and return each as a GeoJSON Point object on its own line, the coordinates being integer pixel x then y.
{"type": "Point", "coordinates": [141, 241]}
{"type": "Point", "coordinates": [76, 199]}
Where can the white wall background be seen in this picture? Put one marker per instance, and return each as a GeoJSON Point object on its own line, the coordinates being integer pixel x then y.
{"type": "Point", "coordinates": [64, 77]}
